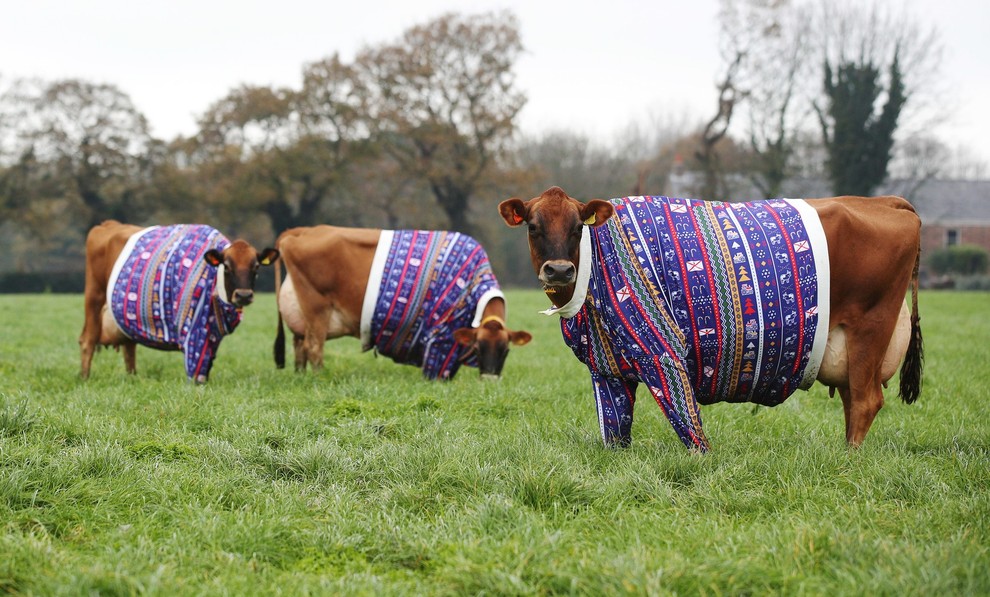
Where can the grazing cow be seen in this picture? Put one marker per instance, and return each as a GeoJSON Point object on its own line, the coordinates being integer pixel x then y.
{"type": "Point", "coordinates": [167, 287]}
{"type": "Point", "coordinates": [423, 298]}
{"type": "Point", "coordinates": [707, 301]}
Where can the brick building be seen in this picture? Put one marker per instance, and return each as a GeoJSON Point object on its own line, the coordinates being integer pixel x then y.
{"type": "Point", "coordinates": [953, 212]}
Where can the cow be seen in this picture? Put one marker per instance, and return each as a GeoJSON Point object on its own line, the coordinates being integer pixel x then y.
{"type": "Point", "coordinates": [424, 298]}
{"type": "Point", "coordinates": [708, 301]}
{"type": "Point", "coordinates": [176, 287]}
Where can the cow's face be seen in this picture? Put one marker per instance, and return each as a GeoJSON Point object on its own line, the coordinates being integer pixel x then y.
{"type": "Point", "coordinates": [240, 262]}
{"type": "Point", "coordinates": [490, 342]}
{"type": "Point", "coordinates": [555, 224]}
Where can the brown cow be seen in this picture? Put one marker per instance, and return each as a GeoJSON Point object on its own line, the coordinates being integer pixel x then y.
{"type": "Point", "coordinates": [425, 298]}
{"type": "Point", "coordinates": [167, 287]}
{"type": "Point", "coordinates": [708, 301]}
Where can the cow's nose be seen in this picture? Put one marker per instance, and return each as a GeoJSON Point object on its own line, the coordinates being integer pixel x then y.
{"type": "Point", "coordinates": [558, 271]}
{"type": "Point", "coordinates": [243, 297]}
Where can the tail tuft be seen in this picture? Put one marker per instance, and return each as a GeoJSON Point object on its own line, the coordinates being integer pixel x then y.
{"type": "Point", "coordinates": [279, 348]}
{"type": "Point", "coordinates": [911, 369]}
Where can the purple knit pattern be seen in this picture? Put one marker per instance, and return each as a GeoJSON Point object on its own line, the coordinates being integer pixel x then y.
{"type": "Point", "coordinates": [701, 301]}
{"type": "Point", "coordinates": [164, 295]}
{"type": "Point", "coordinates": [431, 286]}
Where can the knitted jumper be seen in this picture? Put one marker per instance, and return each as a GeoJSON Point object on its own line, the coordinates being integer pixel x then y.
{"type": "Point", "coordinates": [423, 286]}
{"type": "Point", "coordinates": [162, 294]}
{"type": "Point", "coordinates": [701, 301]}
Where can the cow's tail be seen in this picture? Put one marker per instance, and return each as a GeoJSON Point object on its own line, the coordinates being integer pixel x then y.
{"type": "Point", "coordinates": [911, 368]}
{"type": "Point", "coordinates": [279, 348]}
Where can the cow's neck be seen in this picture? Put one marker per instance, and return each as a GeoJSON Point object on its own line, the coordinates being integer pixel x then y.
{"type": "Point", "coordinates": [494, 309]}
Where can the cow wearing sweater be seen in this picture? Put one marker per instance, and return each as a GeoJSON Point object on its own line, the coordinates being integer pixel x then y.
{"type": "Point", "coordinates": [421, 297]}
{"type": "Point", "coordinates": [176, 287]}
{"type": "Point", "coordinates": [706, 301]}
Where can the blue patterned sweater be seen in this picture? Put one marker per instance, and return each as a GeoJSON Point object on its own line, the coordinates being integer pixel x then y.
{"type": "Point", "coordinates": [701, 301]}
{"type": "Point", "coordinates": [423, 286]}
{"type": "Point", "coordinates": [161, 294]}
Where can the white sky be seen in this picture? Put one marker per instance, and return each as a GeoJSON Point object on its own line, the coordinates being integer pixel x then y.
{"type": "Point", "coordinates": [591, 66]}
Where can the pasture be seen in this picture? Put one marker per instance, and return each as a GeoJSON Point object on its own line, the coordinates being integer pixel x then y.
{"type": "Point", "coordinates": [366, 479]}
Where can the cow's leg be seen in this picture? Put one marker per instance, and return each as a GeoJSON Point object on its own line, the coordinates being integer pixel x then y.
{"type": "Point", "coordinates": [846, 397]}
{"type": "Point", "coordinates": [130, 356]}
{"type": "Point", "coordinates": [668, 381]}
{"type": "Point", "coordinates": [865, 390]}
{"type": "Point", "coordinates": [92, 330]}
{"type": "Point", "coordinates": [316, 337]}
{"type": "Point", "coordinates": [865, 401]}
{"type": "Point", "coordinates": [299, 350]}
{"type": "Point", "coordinates": [864, 404]}
{"type": "Point", "coordinates": [615, 398]}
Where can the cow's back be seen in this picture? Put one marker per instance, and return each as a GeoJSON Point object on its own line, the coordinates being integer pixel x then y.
{"type": "Point", "coordinates": [104, 244]}
{"type": "Point", "coordinates": [873, 245]}
{"type": "Point", "coordinates": [327, 276]}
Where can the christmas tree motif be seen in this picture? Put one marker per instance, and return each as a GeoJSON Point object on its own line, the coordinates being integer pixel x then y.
{"type": "Point", "coordinates": [744, 275]}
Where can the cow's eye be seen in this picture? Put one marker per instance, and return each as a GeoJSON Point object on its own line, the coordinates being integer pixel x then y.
{"type": "Point", "coordinates": [533, 230]}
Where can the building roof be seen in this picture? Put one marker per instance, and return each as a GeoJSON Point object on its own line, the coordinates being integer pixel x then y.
{"type": "Point", "coordinates": [951, 202]}
{"type": "Point", "coordinates": [944, 202]}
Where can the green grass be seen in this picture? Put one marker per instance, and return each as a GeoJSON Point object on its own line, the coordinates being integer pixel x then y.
{"type": "Point", "coordinates": [366, 479]}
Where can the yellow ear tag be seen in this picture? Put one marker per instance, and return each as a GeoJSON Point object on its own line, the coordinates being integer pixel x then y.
{"type": "Point", "coordinates": [590, 220]}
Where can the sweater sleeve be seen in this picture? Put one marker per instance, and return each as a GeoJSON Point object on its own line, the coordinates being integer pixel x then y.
{"type": "Point", "coordinates": [615, 398]}
{"type": "Point", "coordinates": [670, 385]}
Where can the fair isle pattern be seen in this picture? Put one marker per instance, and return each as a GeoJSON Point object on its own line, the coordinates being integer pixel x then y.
{"type": "Point", "coordinates": [162, 295]}
{"type": "Point", "coordinates": [703, 302]}
{"type": "Point", "coordinates": [433, 283]}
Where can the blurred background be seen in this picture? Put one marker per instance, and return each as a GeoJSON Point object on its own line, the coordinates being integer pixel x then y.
{"type": "Point", "coordinates": [256, 117]}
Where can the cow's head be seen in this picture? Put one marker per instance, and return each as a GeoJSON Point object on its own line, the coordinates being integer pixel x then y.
{"type": "Point", "coordinates": [489, 342]}
{"type": "Point", "coordinates": [555, 224]}
{"type": "Point", "coordinates": [240, 261]}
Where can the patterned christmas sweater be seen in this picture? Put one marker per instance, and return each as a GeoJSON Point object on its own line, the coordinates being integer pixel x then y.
{"type": "Point", "coordinates": [162, 294]}
{"type": "Point", "coordinates": [701, 301]}
{"type": "Point", "coordinates": [423, 286]}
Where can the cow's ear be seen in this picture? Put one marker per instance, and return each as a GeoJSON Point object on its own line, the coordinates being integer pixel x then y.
{"type": "Point", "coordinates": [213, 257]}
{"type": "Point", "coordinates": [520, 337]}
{"type": "Point", "coordinates": [513, 211]}
{"type": "Point", "coordinates": [268, 256]}
{"type": "Point", "coordinates": [464, 336]}
{"type": "Point", "coordinates": [596, 212]}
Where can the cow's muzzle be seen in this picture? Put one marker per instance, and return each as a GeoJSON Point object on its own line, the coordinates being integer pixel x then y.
{"type": "Point", "coordinates": [558, 272]}
{"type": "Point", "coordinates": [243, 297]}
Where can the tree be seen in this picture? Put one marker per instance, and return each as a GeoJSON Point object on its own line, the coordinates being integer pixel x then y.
{"type": "Point", "coordinates": [238, 147]}
{"type": "Point", "coordinates": [859, 140]}
{"type": "Point", "coordinates": [864, 44]}
{"type": "Point", "coordinates": [285, 151]}
{"type": "Point", "coordinates": [91, 139]}
{"type": "Point", "coordinates": [729, 95]}
{"type": "Point", "coordinates": [771, 37]}
{"type": "Point", "coordinates": [442, 101]}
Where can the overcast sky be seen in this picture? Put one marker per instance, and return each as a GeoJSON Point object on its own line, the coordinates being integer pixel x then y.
{"type": "Point", "coordinates": [590, 66]}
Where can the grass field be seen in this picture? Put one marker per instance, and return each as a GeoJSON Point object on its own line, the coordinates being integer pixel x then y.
{"type": "Point", "coordinates": [366, 479]}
